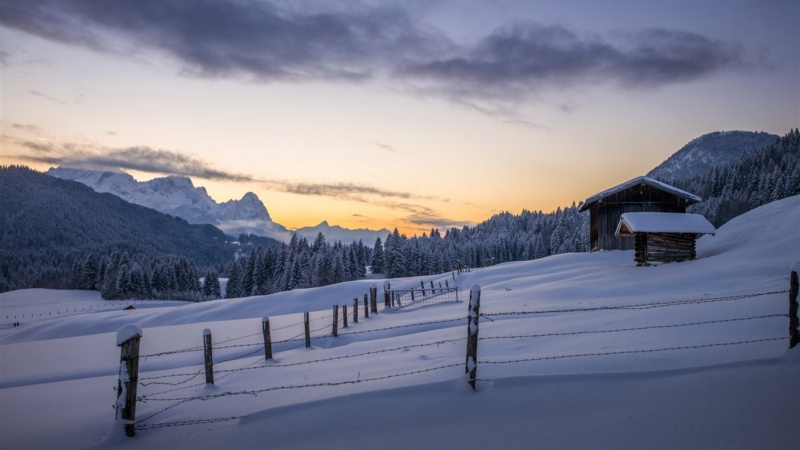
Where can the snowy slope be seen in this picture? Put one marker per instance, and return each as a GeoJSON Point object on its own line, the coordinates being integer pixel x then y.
{"type": "Point", "coordinates": [629, 389]}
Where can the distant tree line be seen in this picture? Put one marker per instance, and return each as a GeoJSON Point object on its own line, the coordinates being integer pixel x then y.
{"type": "Point", "coordinates": [505, 237]}
{"type": "Point", "coordinates": [120, 276]}
{"type": "Point", "coordinates": [296, 265]}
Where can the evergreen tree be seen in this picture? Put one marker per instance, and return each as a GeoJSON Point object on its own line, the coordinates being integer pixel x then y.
{"type": "Point", "coordinates": [234, 287]}
{"type": "Point", "coordinates": [211, 286]}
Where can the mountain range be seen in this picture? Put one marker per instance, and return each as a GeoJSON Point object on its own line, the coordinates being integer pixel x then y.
{"type": "Point", "coordinates": [179, 197]}
{"type": "Point", "coordinates": [334, 233]}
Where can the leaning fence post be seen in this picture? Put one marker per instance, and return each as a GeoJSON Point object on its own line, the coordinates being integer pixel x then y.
{"type": "Point", "coordinates": [267, 338]}
{"type": "Point", "coordinates": [794, 315]}
{"type": "Point", "coordinates": [422, 286]}
{"type": "Point", "coordinates": [209, 357]}
{"type": "Point", "coordinates": [472, 334]}
{"type": "Point", "coordinates": [355, 309]}
{"type": "Point", "coordinates": [128, 340]}
{"type": "Point", "coordinates": [308, 329]}
{"type": "Point", "coordinates": [366, 307]}
{"type": "Point", "coordinates": [335, 320]}
{"type": "Point", "coordinates": [344, 316]}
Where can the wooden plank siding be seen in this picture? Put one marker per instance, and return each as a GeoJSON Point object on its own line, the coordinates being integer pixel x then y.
{"type": "Point", "coordinates": [664, 247]}
{"type": "Point", "coordinates": [604, 214]}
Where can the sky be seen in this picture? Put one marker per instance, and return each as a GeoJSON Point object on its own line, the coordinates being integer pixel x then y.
{"type": "Point", "coordinates": [373, 114]}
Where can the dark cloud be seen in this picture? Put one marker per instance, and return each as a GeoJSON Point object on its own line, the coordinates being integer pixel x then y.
{"type": "Point", "coordinates": [26, 127]}
{"type": "Point", "coordinates": [514, 62]}
{"type": "Point", "coordinates": [353, 41]}
{"type": "Point", "coordinates": [386, 147]}
{"type": "Point", "coordinates": [146, 159]}
{"type": "Point", "coordinates": [224, 38]}
{"type": "Point", "coordinates": [426, 217]}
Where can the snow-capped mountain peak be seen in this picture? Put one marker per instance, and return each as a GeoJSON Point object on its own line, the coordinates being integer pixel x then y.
{"type": "Point", "coordinates": [177, 196]}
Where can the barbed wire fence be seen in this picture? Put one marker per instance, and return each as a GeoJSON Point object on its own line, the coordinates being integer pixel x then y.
{"type": "Point", "coordinates": [236, 355]}
{"type": "Point", "coordinates": [472, 363]}
{"type": "Point", "coordinates": [163, 395]}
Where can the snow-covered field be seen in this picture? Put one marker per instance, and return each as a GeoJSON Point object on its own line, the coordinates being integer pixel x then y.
{"type": "Point", "coordinates": [681, 355]}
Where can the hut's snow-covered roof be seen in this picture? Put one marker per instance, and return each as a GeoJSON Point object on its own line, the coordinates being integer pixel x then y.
{"type": "Point", "coordinates": [658, 222]}
{"type": "Point", "coordinates": [640, 180]}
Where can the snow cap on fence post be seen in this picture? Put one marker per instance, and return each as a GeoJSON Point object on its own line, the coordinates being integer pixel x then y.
{"type": "Point", "coordinates": [127, 333]}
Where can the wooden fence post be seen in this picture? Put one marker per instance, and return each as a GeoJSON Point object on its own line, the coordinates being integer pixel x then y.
{"type": "Point", "coordinates": [366, 307]}
{"type": "Point", "coordinates": [472, 334]}
{"type": "Point", "coordinates": [308, 329]}
{"type": "Point", "coordinates": [267, 338]}
{"type": "Point", "coordinates": [128, 340]}
{"type": "Point", "coordinates": [422, 286]}
{"type": "Point", "coordinates": [344, 315]}
{"type": "Point", "coordinates": [794, 315]}
{"type": "Point", "coordinates": [412, 294]}
{"type": "Point", "coordinates": [446, 284]}
{"type": "Point", "coordinates": [373, 299]}
{"type": "Point", "coordinates": [386, 299]}
{"type": "Point", "coordinates": [335, 320]}
{"type": "Point", "coordinates": [209, 357]}
{"type": "Point", "coordinates": [355, 309]}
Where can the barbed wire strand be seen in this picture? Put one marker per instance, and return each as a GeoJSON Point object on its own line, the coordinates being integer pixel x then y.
{"type": "Point", "coordinates": [651, 327]}
{"type": "Point", "coordinates": [636, 306]}
{"type": "Point", "coordinates": [299, 363]}
{"type": "Point", "coordinates": [621, 352]}
{"type": "Point", "coordinates": [180, 401]}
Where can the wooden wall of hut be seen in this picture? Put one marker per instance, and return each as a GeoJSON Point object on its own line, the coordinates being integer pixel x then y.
{"type": "Point", "coordinates": [605, 214]}
{"type": "Point", "coordinates": [664, 247]}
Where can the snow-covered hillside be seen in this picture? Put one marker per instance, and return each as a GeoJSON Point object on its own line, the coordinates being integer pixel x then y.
{"type": "Point", "coordinates": [708, 151]}
{"type": "Point", "coordinates": [576, 351]}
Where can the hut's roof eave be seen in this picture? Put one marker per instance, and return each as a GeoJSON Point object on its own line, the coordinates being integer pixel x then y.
{"type": "Point", "coordinates": [640, 180]}
{"type": "Point", "coordinates": [658, 222]}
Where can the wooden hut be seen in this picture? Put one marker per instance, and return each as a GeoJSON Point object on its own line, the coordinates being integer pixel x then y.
{"type": "Point", "coordinates": [664, 237]}
{"type": "Point", "coordinates": [641, 194]}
